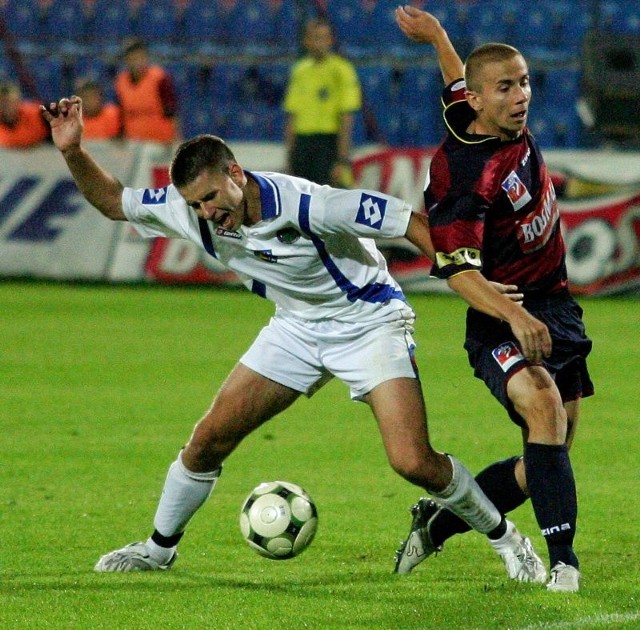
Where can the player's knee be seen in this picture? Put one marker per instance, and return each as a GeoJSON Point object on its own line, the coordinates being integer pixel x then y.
{"type": "Point", "coordinates": [417, 469]}
{"type": "Point", "coordinates": [545, 416]}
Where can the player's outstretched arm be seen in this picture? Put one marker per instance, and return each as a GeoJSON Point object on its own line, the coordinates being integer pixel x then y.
{"type": "Point", "coordinates": [483, 295]}
{"type": "Point", "coordinates": [101, 189]}
{"type": "Point", "coordinates": [421, 26]}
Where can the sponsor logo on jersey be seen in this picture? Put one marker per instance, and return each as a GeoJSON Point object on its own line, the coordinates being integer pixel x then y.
{"type": "Point", "coordinates": [288, 235]}
{"type": "Point", "coordinates": [516, 191]}
{"type": "Point", "coordinates": [536, 227]}
{"type": "Point", "coordinates": [507, 355]}
{"type": "Point", "coordinates": [266, 255]}
{"type": "Point", "coordinates": [228, 233]}
{"type": "Point", "coordinates": [371, 211]}
{"type": "Point", "coordinates": [153, 196]}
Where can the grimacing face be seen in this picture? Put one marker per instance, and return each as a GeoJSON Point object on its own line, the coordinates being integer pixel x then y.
{"type": "Point", "coordinates": [502, 101]}
{"type": "Point", "coordinates": [218, 196]}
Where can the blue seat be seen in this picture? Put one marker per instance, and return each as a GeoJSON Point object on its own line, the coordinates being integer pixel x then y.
{"type": "Point", "coordinates": [24, 23]}
{"type": "Point", "coordinates": [200, 27]}
{"type": "Point", "coordinates": [198, 120]}
{"type": "Point", "coordinates": [273, 77]}
{"type": "Point", "coordinates": [533, 34]}
{"type": "Point", "coordinates": [286, 23]}
{"type": "Point", "coordinates": [570, 23]}
{"type": "Point", "coordinates": [278, 121]}
{"type": "Point", "coordinates": [561, 88]}
{"type": "Point", "coordinates": [250, 122]}
{"type": "Point", "coordinates": [480, 23]}
{"type": "Point", "coordinates": [65, 24]}
{"type": "Point", "coordinates": [110, 25]}
{"type": "Point", "coordinates": [359, 135]}
{"type": "Point", "coordinates": [155, 22]}
{"type": "Point", "coordinates": [387, 37]}
{"type": "Point", "coordinates": [389, 127]}
{"type": "Point", "coordinates": [354, 26]}
{"type": "Point", "coordinates": [557, 128]}
{"type": "Point", "coordinates": [420, 129]}
{"type": "Point", "coordinates": [48, 75]}
{"type": "Point", "coordinates": [191, 81]}
{"type": "Point", "coordinates": [377, 82]}
{"type": "Point", "coordinates": [96, 69]}
{"type": "Point", "coordinates": [248, 25]}
{"type": "Point", "coordinates": [228, 81]}
{"type": "Point", "coordinates": [421, 86]}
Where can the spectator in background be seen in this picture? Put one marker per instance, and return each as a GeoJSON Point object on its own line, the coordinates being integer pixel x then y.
{"type": "Point", "coordinates": [102, 120]}
{"type": "Point", "coordinates": [147, 96]}
{"type": "Point", "coordinates": [21, 123]}
{"type": "Point", "coordinates": [322, 95]}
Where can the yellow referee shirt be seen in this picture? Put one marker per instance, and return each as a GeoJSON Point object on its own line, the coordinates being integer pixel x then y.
{"type": "Point", "coordinates": [319, 92]}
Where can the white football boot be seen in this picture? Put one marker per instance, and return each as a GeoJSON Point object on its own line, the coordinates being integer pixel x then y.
{"type": "Point", "coordinates": [133, 557]}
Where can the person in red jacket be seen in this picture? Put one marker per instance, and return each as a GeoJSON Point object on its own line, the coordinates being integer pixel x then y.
{"type": "Point", "coordinates": [21, 124]}
{"type": "Point", "coordinates": [147, 97]}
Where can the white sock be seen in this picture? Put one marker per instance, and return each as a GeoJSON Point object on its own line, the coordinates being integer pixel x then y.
{"type": "Point", "coordinates": [183, 493]}
{"type": "Point", "coordinates": [464, 497]}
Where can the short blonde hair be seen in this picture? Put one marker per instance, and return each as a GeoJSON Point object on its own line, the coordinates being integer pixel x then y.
{"type": "Point", "coordinates": [481, 56]}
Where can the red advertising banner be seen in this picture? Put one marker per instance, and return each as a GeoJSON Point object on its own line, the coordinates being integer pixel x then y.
{"type": "Point", "coordinates": [601, 224]}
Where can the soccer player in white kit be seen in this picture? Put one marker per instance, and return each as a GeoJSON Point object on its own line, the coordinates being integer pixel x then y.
{"type": "Point", "coordinates": [310, 249]}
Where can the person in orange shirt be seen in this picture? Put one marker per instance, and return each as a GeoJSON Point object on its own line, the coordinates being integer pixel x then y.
{"type": "Point", "coordinates": [102, 120]}
{"type": "Point", "coordinates": [21, 123]}
{"type": "Point", "coordinates": [147, 96]}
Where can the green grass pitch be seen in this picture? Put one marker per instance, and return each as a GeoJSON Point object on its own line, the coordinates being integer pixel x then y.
{"type": "Point", "coordinates": [100, 386]}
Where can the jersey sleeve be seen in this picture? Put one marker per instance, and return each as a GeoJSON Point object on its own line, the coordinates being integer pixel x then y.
{"type": "Point", "coordinates": [152, 211]}
{"type": "Point", "coordinates": [456, 232]}
{"type": "Point", "coordinates": [364, 213]}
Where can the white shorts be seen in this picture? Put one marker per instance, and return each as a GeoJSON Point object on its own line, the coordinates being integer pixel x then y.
{"type": "Point", "coordinates": [304, 355]}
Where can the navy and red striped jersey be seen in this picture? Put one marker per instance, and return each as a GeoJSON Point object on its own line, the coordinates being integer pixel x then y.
{"type": "Point", "coordinates": [492, 206]}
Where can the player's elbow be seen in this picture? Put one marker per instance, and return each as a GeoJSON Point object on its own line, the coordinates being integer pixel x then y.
{"type": "Point", "coordinates": [110, 209]}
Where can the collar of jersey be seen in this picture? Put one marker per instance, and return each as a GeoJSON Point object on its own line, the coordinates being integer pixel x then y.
{"type": "Point", "coordinates": [270, 203]}
{"type": "Point", "coordinates": [458, 120]}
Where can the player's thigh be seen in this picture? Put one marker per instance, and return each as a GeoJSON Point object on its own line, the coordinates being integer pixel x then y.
{"type": "Point", "coordinates": [399, 409]}
{"type": "Point", "coordinates": [572, 408]}
{"type": "Point", "coordinates": [536, 398]}
{"type": "Point", "coordinates": [244, 402]}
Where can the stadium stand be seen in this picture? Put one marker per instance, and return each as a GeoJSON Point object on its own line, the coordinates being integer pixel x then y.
{"type": "Point", "coordinates": [230, 58]}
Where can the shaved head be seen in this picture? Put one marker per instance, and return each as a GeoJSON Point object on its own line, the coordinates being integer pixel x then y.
{"type": "Point", "coordinates": [480, 57]}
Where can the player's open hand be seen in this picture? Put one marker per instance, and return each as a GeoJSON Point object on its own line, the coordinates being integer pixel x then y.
{"type": "Point", "coordinates": [508, 290]}
{"type": "Point", "coordinates": [65, 118]}
{"type": "Point", "coordinates": [417, 25]}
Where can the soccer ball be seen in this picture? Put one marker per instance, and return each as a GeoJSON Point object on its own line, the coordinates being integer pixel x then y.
{"type": "Point", "coordinates": [278, 520]}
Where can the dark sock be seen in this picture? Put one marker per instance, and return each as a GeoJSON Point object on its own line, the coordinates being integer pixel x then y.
{"type": "Point", "coordinates": [553, 496]}
{"type": "Point", "coordinates": [166, 541]}
{"type": "Point", "coordinates": [498, 481]}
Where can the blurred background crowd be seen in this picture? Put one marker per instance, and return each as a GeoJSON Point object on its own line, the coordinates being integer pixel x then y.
{"type": "Point", "coordinates": [223, 66]}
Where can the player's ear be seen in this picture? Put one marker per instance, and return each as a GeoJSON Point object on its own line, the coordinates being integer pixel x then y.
{"type": "Point", "coordinates": [236, 172]}
{"type": "Point", "coordinates": [474, 99]}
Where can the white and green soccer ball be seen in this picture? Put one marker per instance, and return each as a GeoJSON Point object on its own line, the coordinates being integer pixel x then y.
{"type": "Point", "coordinates": [278, 520]}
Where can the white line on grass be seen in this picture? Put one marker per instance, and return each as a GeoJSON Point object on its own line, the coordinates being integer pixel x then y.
{"type": "Point", "coordinates": [584, 622]}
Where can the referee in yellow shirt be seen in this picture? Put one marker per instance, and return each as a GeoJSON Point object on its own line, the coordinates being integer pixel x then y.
{"type": "Point", "coordinates": [322, 95]}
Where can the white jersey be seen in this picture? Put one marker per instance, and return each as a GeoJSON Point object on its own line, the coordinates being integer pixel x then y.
{"type": "Point", "coordinates": [312, 253]}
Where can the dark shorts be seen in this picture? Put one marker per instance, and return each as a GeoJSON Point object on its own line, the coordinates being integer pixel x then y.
{"type": "Point", "coordinates": [494, 353]}
{"type": "Point", "coordinates": [314, 156]}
